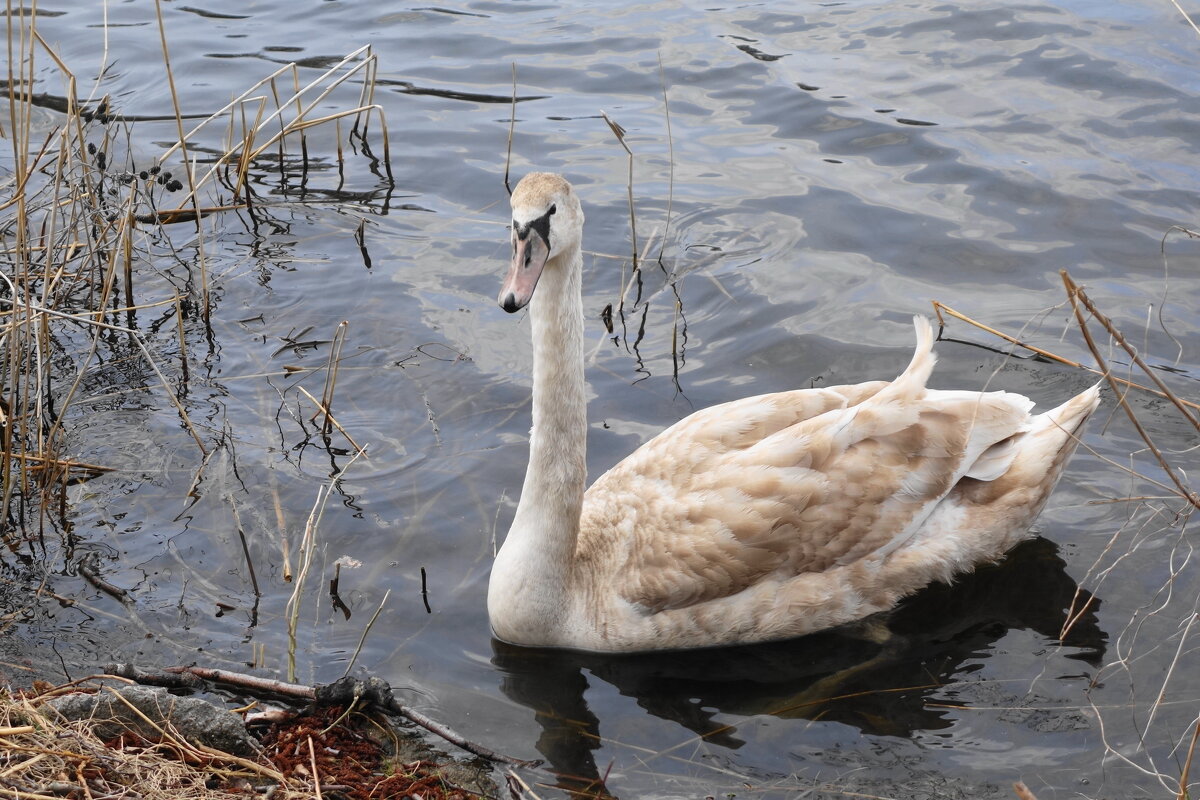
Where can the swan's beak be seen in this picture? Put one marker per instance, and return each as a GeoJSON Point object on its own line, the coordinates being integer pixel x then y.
{"type": "Point", "coordinates": [528, 258]}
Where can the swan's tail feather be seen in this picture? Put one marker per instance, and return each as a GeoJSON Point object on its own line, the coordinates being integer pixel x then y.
{"type": "Point", "coordinates": [1071, 415]}
{"type": "Point", "coordinates": [909, 386]}
{"type": "Point", "coordinates": [1010, 503]}
{"type": "Point", "coordinates": [1049, 442]}
{"type": "Point", "coordinates": [912, 381]}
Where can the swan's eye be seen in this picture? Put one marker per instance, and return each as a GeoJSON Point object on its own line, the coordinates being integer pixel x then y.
{"type": "Point", "coordinates": [540, 226]}
{"type": "Point", "coordinates": [553, 208]}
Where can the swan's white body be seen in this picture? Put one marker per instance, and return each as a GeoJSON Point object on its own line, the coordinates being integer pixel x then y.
{"type": "Point", "coordinates": [759, 519]}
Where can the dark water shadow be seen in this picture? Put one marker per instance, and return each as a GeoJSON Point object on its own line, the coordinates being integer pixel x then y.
{"type": "Point", "coordinates": [878, 676]}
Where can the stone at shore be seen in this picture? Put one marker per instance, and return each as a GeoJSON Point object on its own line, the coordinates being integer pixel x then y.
{"type": "Point", "coordinates": [190, 718]}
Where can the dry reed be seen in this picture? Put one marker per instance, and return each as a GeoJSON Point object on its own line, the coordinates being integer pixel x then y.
{"type": "Point", "coordinates": [1160, 515]}
{"type": "Point", "coordinates": [82, 231]}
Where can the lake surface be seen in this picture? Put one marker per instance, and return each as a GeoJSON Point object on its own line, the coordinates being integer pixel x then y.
{"type": "Point", "coordinates": [807, 177]}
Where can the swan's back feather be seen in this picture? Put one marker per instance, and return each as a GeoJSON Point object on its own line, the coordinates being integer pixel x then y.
{"type": "Point", "coordinates": [775, 487]}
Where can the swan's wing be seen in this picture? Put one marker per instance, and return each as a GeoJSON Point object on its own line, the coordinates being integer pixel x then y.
{"type": "Point", "coordinates": [729, 427]}
{"type": "Point", "coordinates": [706, 509]}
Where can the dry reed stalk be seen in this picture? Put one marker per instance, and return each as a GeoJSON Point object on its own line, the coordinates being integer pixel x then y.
{"type": "Point", "coordinates": [316, 776]}
{"type": "Point", "coordinates": [281, 528]}
{"type": "Point", "coordinates": [134, 336]}
{"type": "Point", "coordinates": [662, 79]}
{"type": "Point", "coordinates": [307, 549]}
{"type": "Point", "coordinates": [250, 148]}
{"type": "Point", "coordinates": [187, 162]}
{"type": "Point", "coordinates": [71, 252]}
{"type": "Point", "coordinates": [308, 546]}
{"type": "Point", "coordinates": [512, 122]}
{"type": "Point", "coordinates": [362, 640]}
{"type": "Point", "coordinates": [1185, 775]}
{"type": "Point", "coordinates": [939, 308]}
{"type": "Point", "coordinates": [246, 146]}
{"type": "Point", "coordinates": [42, 462]}
{"type": "Point", "coordinates": [517, 786]}
{"type": "Point", "coordinates": [331, 371]}
{"type": "Point", "coordinates": [195, 751]}
{"type": "Point", "coordinates": [1187, 17]}
{"type": "Point", "coordinates": [1079, 300]}
{"type": "Point", "coordinates": [70, 242]}
{"type": "Point", "coordinates": [619, 132]}
{"type": "Point", "coordinates": [1142, 759]}
{"type": "Point", "coordinates": [1076, 293]}
{"type": "Point", "coordinates": [322, 411]}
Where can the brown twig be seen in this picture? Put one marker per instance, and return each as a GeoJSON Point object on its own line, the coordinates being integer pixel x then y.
{"type": "Point", "coordinates": [1073, 294]}
{"type": "Point", "coordinates": [329, 418]}
{"type": "Point", "coordinates": [1075, 290]}
{"type": "Point", "coordinates": [425, 592]}
{"type": "Point", "coordinates": [512, 122]}
{"type": "Point", "coordinates": [249, 562]}
{"type": "Point", "coordinates": [316, 776]}
{"type": "Point", "coordinates": [93, 577]}
{"type": "Point", "coordinates": [171, 216]}
{"type": "Point", "coordinates": [939, 308]}
{"type": "Point", "coordinates": [619, 132]}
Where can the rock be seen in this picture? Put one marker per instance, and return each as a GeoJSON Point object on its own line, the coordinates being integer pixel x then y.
{"type": "Point", "coordinates": [192, 719]}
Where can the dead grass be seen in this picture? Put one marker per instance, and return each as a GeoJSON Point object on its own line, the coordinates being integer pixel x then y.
{"type": "Point", "coordinates": [303, 756]}
{"type": "Point", "coordinates": [42, 758]}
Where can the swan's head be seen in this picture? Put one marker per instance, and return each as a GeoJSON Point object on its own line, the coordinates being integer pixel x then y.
{"type": "Point", "coordinates": [546, 221]}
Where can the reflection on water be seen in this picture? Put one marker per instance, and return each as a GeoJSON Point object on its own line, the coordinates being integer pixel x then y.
{"type": "Point", "coordinates": [878, 676]}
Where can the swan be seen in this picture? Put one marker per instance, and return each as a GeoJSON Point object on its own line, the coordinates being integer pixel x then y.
{"type": "Point", "coordinates": [759, 519]}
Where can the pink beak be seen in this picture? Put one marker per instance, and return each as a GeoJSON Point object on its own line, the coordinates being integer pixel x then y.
{"type": "Point", "coordinates": [528, 259]}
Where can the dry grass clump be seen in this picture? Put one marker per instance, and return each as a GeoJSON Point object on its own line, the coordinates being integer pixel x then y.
{"type": "Point", "coordinates": [327, 753]}
{"type": "Point", "coordinates": [43, 758]}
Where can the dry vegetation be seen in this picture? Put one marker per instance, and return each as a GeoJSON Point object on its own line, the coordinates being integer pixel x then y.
{"type": "Point", "coordinates": [41, 758]}
{"type": "Point", "coordinates": [1156, 516]}
{"type": "Point", "coordinates": [100, 300]}
{"type": "Point", "coordinates": [89, 254]}
{"type": "Point", "coordinates": [328, 753]}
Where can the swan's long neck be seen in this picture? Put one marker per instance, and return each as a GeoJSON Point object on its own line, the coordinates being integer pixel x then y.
{"type": "Point", "coordinates": [531, 578]}
{"type": "Point", "coordinates": [558, 442]}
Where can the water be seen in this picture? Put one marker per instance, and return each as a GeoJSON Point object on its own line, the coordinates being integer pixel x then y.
{"type": "Point", "coordinates": [824, 171]}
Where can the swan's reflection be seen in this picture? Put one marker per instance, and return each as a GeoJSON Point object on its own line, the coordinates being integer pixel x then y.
{"type": "Point", "coordinates": [876, 676]}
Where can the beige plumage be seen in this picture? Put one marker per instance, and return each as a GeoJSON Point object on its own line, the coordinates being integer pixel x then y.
{"type": "Point", "coordinates": [758, 519]}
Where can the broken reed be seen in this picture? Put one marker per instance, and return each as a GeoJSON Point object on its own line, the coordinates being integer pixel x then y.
{"type": "Point", "coordinates": [80, 221]}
